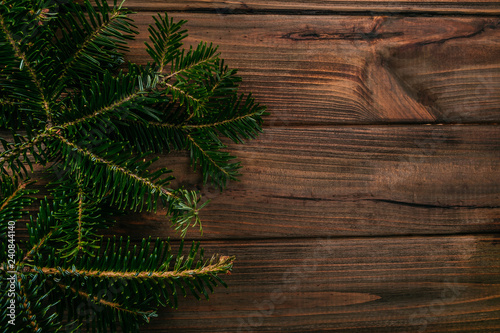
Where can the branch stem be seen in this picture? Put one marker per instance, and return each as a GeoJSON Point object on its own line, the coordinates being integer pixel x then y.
{"type": "Point", "coordinates": [20, 187]}
{"type": "Point", "coordinates": [222, 266]}
{"type": "Point", "coordinates": [207, 156]}
{"type": "Point", "coordinates": [26, 304]}
{"type": "Point", "coordinates": [101, 301]}
{"type": "Point", "coordinates": [109, 164]}
{"type": "Point", "coordinates": [36, 247]}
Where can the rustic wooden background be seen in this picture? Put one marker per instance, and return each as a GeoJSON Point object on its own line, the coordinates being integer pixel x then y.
{"type": "Point", "coordinates": [371, 203]}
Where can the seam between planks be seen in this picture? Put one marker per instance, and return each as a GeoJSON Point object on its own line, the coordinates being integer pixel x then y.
{"type": "Point", "coordinates": [353, 237]}
{"type": "Point", "coordinates": [321, 12]}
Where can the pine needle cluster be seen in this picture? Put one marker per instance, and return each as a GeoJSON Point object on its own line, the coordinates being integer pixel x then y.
{"type": "Point", "coordinates": [71, 105]}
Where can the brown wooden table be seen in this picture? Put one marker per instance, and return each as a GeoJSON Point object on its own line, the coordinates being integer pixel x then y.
{"type": "Point", "coordinates": [371, 203]}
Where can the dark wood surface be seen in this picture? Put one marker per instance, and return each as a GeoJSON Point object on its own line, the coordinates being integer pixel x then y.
{"type": "Point", "coordinates": [384, 284]}
{"type": "Point", "coordinates": [351, 181]}
{"type": "Point", "coordinates": [449, 7]}
{"type": "Point", "coordinates": [371, 203]}
{"type": "Point", "coordinates": [329, 69]}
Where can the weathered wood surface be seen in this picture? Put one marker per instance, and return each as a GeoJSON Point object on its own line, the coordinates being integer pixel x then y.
{"type": "Point", "coordinates": [347, 169]}
{"type": "Point", "coordinates": [399, 284]}
{"type": "Point", "coordinates": [321, 7]}
{"type": "Point", "coordinates": [371, 203]}
{"type": "Point", "coordinates": [357, 69]}
{"type": "Point", "coordinates": [351, 181]}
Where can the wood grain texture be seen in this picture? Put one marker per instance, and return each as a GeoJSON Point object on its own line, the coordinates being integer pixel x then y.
{"type": "Point", "coordinates": [409, 284]}
{"type": "Point", "coordinates": [491, 7]}
{"type": "Point", "coordinates": [363, 180]}
{"type": "Point", "coordinates": [357, 69]}
{"type": "Point", "coordinates": [352, 215]}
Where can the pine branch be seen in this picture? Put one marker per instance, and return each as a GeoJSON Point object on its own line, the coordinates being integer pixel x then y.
{"type": "Point", "coordinates": [106, 171]}
{"type": "Point", "coordinates": [16, 155]}
{"type": "Point", "coordinates": [216, 165]}
{"type": "Point", "coordinates": [217, 124]}
{"type": "Point", "coordinates": [205, 152]}
{"type": "Point", "coordinates": [31, 322]}
{"type": "Point", "coordinates": [75, 236]}
{"type": "Point", "coordinates": [93, 42]}
{"type": "Point", "coordinates": [14, 197]}
{"type": "Point", "coordinates": [79, 220]}
{"type": "Point", "coordinates": [63, 103]}
{"type": "Point", "coordinates": [122, 271]}
{"type": "Point", "coordinates": [155, 137]}
{"type": "Point", "coordinates": [102, 111]}
{"type": "Point", "coordinates": [25, 63]}
{"type": "Point", "coordinates": [102, 302]}
{"type": "Point", "coordinates": [80, 216]}
{"type": "Point", "coordinates": [221, 266]}
{"type": "Point", "coordinates": [35, 314]}
{"type": "Point", "coordinates": [188, 97]}
{"type": "Point", "coordinates": [110, 166]}
{"type": "Point", "coordinates": [8, 102]}
{"type": "Point", "coordinates": [166, 37]}
{"type": "Point", "coordinates": [41, 232]}
{"type": "Point", "coordinates": [36, 248]}
{"type": "Point", "coordinates": [88, 40]}
{"type": "Point", "coordinates": [196, 61]}
{"type": "Point", "coordinates": [119, 97]}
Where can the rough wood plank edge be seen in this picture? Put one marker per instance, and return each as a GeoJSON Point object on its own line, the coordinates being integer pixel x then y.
{"type": "Point", "coordinates": [447, 7]}
{"type": "Point", "coordinates": [400, 284]}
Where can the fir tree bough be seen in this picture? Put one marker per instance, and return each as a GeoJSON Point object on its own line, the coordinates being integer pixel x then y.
{"type": "Point", "coordinates": [72, 106]}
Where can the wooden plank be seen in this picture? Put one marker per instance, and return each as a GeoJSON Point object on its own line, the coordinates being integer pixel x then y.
{"type": "Point", "coordinates": [349, 181]}
{"type": "Point", "coordinates": [491, 7]}
{"type": "Point", "coordinates": [357, 69]}
{"type": "Point", "coordinates": [408, 284]}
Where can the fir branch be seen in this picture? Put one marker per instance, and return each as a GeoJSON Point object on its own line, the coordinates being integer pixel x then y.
{"type": "Point", "coordinates": [36, 248]}
{"type": "Point", "coordinates": [102, 111]}
{"type": "Point", "coordinates": [33, 324]}
{"type": "Point", "coordinates": [111, 166]}
{"type": "Point", "coordinates": [184, 93]}
{"type": "Point", "coordinates": [167, 38]}
{"type": "Point", "coordinates": [216, 124]}
{"type": "Point", "coordinates": [22, 149]}
{"type": "Point", "coordinates": [159, 125]}
{"type": "Point", "coordinates": [217, 165]}
{"type": "Point", "coordinates": [41, 231]}
{"type": "Point", "coordinates": [64, 102]}
{"type": "Point", "coordinates": [223, 265]}
{"type": "Point", "coordinates": [100, 301]}
{"type": "Point", "coordinates": [205, 153]}
{"type": "Point", "coordinates": [213, 125]}
{"type": "Point", "coordinates": [90, 38]}
{"type": "Point", "coordinates": [13, 196]}
{"type": "Point", "coordinates": [92, 42]}
{"type": "Point", "coordinates": [79, 215]}
{"type": "Point", "coordinates": [211, 58]}
{"type": "Point", "coordinates": [25, 63]}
